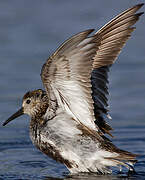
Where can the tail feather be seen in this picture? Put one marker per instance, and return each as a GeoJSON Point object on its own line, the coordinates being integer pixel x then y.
{"type": "Point", "coordinates": [125, 159]}
{"type": "Point", "coordinates": [125, 155]}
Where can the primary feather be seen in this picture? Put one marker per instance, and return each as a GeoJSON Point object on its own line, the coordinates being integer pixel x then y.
{"type": "Point", "coordinates": [77, 71]}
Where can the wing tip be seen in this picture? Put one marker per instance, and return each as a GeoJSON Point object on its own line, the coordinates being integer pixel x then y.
{"type": "Point", "coordinates": [139, 5]}
{"type": "Point", "coordinates": [87, 32]}
{"type": "Point", "coordinates": [139, 14]}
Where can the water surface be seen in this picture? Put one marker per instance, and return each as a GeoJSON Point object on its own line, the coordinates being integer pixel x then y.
{"type": "Point", "coordinates": [30, 31]}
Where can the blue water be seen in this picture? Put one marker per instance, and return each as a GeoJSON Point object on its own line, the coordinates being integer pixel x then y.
{"type": "Point", "coordinates": [29, 32]}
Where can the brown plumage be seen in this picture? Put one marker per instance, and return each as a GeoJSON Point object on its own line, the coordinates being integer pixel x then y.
{"type": "Point", "coordinates": [67, 121]}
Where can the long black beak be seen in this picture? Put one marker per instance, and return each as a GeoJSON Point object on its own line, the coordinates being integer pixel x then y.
{"type": "Point", "coordinates": [14, 116]}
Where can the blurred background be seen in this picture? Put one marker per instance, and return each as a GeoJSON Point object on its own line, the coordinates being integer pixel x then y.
{"type": "Point", "coordinates": [30, 30]}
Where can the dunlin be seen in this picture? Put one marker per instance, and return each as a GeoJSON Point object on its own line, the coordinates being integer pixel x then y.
{"type": "Point", "coordinates": [67, 119]}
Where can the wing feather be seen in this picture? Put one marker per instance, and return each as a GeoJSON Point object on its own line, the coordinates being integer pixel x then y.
{"type": "Point", "coordinates": [77, 73]}
{"type": "Point", "coordinates": [68, 72]}
{"type": "Point", "coordinates": [113, 37]}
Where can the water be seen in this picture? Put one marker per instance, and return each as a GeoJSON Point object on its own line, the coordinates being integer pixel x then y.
{"type": "Point", "coordinates": [30, 31]}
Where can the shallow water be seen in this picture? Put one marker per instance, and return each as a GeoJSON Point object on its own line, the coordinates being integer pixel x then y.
{"type": "Point", "coordinates": [30, 31]}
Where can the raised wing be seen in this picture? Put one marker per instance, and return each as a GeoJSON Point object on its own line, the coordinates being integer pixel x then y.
{"type": "Point", "coordinates": [68, 73]}
{"type": "Point", "coordinates": [113, 37]}
{"type": "Point", "coordinates": [82, 60]}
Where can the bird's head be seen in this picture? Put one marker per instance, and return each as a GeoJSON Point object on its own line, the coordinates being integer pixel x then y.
{"type": "Point", "coordinates": [35, 103]}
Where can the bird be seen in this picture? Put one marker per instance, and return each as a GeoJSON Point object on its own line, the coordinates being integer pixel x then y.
{"type": "Point", "coordinates": [69, 119]}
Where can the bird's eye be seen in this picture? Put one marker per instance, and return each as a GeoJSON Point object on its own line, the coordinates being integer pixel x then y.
{"type": "Point", "coordinates": [28, 101]}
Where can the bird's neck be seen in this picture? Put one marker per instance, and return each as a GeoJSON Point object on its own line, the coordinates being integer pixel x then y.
{"type": "Point", "coordinates": [37, 115]}
{"type": "Point", "coordinates": [44, 113]}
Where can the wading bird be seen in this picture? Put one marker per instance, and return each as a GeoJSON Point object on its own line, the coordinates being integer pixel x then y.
{"type": "Point", "coordinates": [67, 119]}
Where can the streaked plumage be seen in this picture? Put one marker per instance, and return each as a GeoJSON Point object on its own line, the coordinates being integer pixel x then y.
{"type": "Point", "coordinates": [67, 120]}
